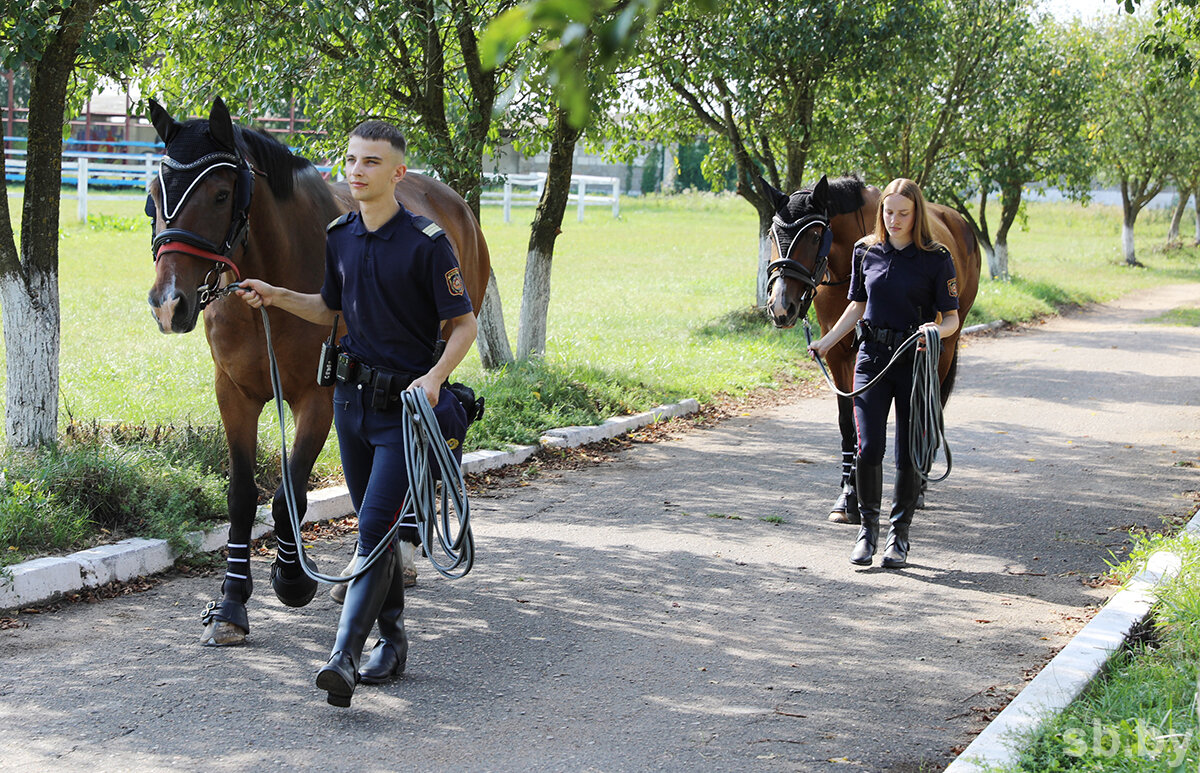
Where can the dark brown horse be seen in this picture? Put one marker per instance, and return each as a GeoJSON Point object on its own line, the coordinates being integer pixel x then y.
{"type": "Point", "coordinates": [847, 208]}
{"type": "Point", "coordinates": [232, 203]}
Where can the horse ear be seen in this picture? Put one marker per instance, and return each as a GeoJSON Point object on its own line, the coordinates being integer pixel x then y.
{"type": "Point", "coordinates": [220, 125]}
{"type": "Point", "coordinates": [820, 194]}
{"type": "Point", "coordinates": [777, 197]}
{"type": "Point", "coordinates": [166, 126]}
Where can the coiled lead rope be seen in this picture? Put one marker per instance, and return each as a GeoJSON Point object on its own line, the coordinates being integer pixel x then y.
{"type": "Point", "coordinates": [420, 434]}
{"type": "Point", "coordinates": [926, 429]}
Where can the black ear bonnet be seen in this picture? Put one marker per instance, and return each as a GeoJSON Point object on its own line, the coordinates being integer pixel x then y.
{"type": "Point", "coordinates": [801, 215]}
{"type": "Point", "coordinates": [192, 154]}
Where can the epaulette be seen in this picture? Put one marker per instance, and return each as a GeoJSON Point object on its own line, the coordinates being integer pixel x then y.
{"type": "Point", "coordinates": [427, 226]}
{"type": "Point", "coordinates": [340, 221]}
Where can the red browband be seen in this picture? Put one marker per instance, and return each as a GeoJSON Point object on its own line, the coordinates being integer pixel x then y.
{"type": "Point", "coordinates": [176, 246]}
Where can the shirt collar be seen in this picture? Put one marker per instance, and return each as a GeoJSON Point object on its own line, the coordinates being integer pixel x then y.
{"type": "Point", "coordinates": [909, 250]}
{"type": "Point", "coordinates": [385, 231]}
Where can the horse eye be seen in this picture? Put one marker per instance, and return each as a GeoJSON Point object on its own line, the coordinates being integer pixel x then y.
{"type": "Point", "coordinates": [222, 197]}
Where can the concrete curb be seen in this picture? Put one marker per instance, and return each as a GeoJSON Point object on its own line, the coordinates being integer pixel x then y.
{"type": "Point", "coordinates": [44, 579]}
{"type": "Point", "coordinates": [1071, 670]}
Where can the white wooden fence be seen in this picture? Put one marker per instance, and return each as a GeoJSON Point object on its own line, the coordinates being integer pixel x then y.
{"type": "Point", "coordinates": [607, 193]}
{"type": "Point", "coordinates": [111, 173]}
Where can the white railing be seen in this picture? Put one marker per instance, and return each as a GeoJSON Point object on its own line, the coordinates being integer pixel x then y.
{"type": "Point", "coordinates": [86, 169]}
{"type": "Point", "coordinates": [511, 197]}
{"type": "Point", "coordinates": [134, 171]}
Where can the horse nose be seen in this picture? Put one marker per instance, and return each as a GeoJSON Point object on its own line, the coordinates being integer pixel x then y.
{"type": "Point", "coordinates": [170, 312]}
{"type": "Point", "coordinates": [778, 309]}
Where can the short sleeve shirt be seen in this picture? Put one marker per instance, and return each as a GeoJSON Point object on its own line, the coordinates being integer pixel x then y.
{"type": "Point", "coordinates": [393, 286]}
{"type": "Point", "coordinates": [903, 288]}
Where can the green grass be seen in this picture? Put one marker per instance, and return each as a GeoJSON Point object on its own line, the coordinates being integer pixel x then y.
{"type": "Point", "coordinates": [1141, 715]}
{"type": "Point", "coordinates": [1187, 317]}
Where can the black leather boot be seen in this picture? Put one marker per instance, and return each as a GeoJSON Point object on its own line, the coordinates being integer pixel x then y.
{"type": "Point", "coordinates": [364, 599]}
{"type": "Point", "coordinates": [870, 495]}
{"type": "Point", "coordinates": [391, 651]}
{"type": "Point", "coordinates": [904, 504]}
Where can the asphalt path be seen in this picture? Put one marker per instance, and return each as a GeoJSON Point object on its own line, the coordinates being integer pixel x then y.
{"type": "Point", "coordinates": [682, 606]}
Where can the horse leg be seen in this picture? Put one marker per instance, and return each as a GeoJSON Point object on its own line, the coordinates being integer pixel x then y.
{"type": "Point", "coordinates": [845, 508]}
{"type": "Point", "coordinates": [313, 413]}
{"type": "Point", "coordinates": [226, 623]}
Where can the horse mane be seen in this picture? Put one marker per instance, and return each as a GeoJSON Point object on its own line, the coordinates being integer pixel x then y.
{"type": "Point", "coordinates": [273, 159]}
{"type": "Point", "coordinates": [846, 195]}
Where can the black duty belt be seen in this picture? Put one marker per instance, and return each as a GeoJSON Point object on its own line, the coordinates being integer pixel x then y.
{"type": "Point", "coordinates": [882, 335]}
{"type": "Point", "coordinates": [383, 386]}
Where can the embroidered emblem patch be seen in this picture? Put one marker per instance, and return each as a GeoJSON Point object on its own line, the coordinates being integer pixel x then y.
{"type": "Point", "coordinates": [452, 443]}
{"type": "Point", "coordinates": [952, 287]}
{"type": "Point", "coordinates": [454, 282]}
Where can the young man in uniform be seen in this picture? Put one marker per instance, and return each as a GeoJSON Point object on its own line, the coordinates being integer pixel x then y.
{"type": "Point", "coordinates": [395, 279]}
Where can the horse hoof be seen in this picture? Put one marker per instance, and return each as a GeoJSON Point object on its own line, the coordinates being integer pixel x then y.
{"type": "Point", "coordinates": [292, 591]}
{"type": "Point", "coordinates": [220, 633]}
{"type": "Point", "coordinates": [840, 516]}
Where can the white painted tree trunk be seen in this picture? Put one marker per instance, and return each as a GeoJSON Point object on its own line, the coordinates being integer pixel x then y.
{"type": "Point", "coordinates": [494, 351]}
{"type": "Point", "coordinates": [764, 258]}
{"type": "Point", "coordinates": [1127, 243]}
{"type": "Point", "coordinates": [31, 335]}
{"type": "Point", "coordinates": [1196, 198]}
{"type": "Point", "coordinates": [998, 260]}
{"type": "Point", "coordinates": [535, 305]}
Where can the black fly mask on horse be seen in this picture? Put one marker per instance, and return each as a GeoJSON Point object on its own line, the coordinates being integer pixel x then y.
{"type": "Point", "coordinates": [192, 152]}
{"type": "Point", "coordinates": [801, 219]}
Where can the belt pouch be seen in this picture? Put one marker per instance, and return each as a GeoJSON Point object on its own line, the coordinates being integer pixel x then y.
{"type": "Point", "coordinates": [381, 391]}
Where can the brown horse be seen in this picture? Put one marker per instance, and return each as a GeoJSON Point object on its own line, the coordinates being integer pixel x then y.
{"type": "Point", "coordinates": [231, 203]}
{"type": "Point", "coordinates": [846, 209]}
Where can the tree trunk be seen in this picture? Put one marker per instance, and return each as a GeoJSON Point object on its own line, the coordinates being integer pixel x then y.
{"type": "Point", "coordinates": [764, 259]}
{"type": "Point", "coordinates": [494, 351]}
{"type": "Point", "coordinates": [29, 281]}
{"type": "Point", "coordinates": [1177, 217]}
{"type": "Point", "coordinates": [547, 221]}
{"type": "Point", "coordinates": [1196, 198]}
{"type": "Point", "coordinates": [1130, 217]}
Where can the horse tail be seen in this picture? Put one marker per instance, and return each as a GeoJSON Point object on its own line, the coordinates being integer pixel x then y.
{"type": "Point", "coordinates": [948, 381]}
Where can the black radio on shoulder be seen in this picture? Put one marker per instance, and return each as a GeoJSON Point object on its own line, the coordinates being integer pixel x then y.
{"type": "Point", "coordinates": [327, 365]}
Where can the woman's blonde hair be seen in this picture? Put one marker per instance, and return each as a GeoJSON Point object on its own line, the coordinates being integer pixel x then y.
{"type": "Point", "coordinates": [928, 233]}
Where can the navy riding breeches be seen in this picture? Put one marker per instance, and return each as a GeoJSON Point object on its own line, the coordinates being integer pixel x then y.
{"type": "Point", "coordinates": [372, 449]}
{"type": "Point", "coordinates": [871, 408]}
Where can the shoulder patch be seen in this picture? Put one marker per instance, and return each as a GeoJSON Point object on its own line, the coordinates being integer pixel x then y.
{"type": "Point", "coordinates": [454, 281]}
{"type": "Point", "coordinates": [340, 221]}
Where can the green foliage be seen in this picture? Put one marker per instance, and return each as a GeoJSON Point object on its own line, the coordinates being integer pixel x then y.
{"type": "Point", "coordinates": [1142, 714]}
{"type": "Point", "coordinates": [527, 398]}
{"type": "Point", "coordinates": [62, 498]}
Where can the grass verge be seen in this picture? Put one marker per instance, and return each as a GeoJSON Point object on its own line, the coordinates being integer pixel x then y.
{"type": "Point", "coordinates": [1141, 715]}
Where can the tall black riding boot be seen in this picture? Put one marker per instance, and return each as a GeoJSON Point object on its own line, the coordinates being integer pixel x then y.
{"type": "Point", "coordinates": [364, 599]}
{"type": "Point", "coordinates": [904, 503]}
{"type": "Point", "coordinates": [870, 494]}
{"type": "Point", "coordinates": [391, 651]}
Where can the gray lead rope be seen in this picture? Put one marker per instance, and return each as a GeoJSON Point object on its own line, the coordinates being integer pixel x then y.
{"type": "Point", "coordinates": [420, 433]}
{"type": "Point", "coordinates": [926, 429]}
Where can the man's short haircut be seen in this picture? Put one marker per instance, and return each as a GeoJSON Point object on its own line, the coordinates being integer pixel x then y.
{"type": "Point", "coordinates": [381, 130]}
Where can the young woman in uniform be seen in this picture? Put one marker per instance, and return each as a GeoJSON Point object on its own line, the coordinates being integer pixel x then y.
{"type": "Point", "coordinates": [900, 281]}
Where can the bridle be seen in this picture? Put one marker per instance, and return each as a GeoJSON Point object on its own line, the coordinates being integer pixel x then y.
{"type": "Point", "coordinates": [191, 243]}
{"type": "Point", "coordinates": [786, 267]}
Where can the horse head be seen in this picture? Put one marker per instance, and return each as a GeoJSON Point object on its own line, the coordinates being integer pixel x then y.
{"type": "Point", "coordinates": [800, 242]}
{"type": "Point", "coordinates": [199, 204]}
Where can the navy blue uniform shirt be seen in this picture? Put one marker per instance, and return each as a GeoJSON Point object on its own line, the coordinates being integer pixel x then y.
{"type": "Point", "coordinates": [903, 288]}
{"type": "Point", "coordinates": [393, 286]}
